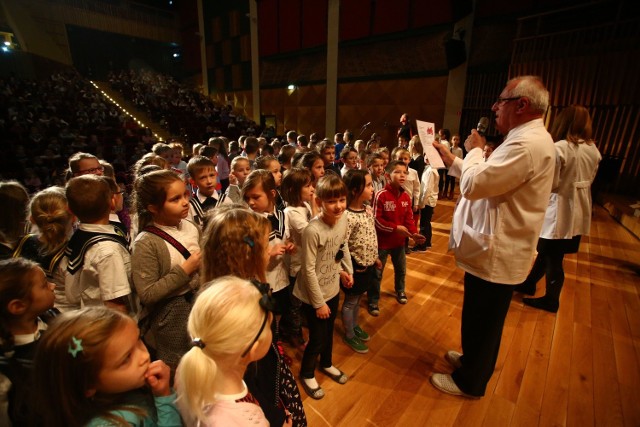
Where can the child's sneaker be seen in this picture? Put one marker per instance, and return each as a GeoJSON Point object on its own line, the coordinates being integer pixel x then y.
{"type": "Point", "coordinates": [420, 248]}
{"type": "Point", "coordinates": [362, 335]}
{"type": "Point", "coordinates": [401, 296]}
{"type": "Point", "coordinates": [374, 310]}
{"type": "Point", "coordinates": [356, 345]}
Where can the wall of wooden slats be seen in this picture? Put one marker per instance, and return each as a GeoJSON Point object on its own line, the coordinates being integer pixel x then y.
{"type": "Point", "coordinates": [596, 67]}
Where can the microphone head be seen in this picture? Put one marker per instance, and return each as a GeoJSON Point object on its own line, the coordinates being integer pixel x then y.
{"type": "Point", "coordinates": [483, 124]}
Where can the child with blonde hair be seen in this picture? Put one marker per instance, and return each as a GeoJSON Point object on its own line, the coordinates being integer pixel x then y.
{"type": "Point", "coordinates": [92, 369]}
{"type": "Point", "coordinates": [50, 213]}
{"type": "Point", "coordinates": [236, 242]}
{"type": "Point", "coordinates": [326, 262]}
{"type": "Point", "coordinates": [26, 299]}
{"type": "Point", "coordinates": [223, 325]}
{"type": "Point", "coordinates": [165, 262]}
{"type": "Point", "coordinates": [240, 170]}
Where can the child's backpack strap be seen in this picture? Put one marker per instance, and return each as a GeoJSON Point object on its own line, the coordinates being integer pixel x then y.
{"type": "Point", "coordinates": [168, 238]}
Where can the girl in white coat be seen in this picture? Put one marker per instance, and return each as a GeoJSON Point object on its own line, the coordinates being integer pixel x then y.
{"type": "Point", "coordinates": [568, 215]}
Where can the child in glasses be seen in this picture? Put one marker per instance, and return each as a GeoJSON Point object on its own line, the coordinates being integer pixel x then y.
{"type": "Point", "coordinates": [230, 327]}
{"type": "Point", "coordinates": [236, 242]}
{"type": "Point", "coordinates": [326, 262]}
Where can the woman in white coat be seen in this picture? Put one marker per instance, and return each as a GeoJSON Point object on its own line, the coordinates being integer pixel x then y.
{"type": "Point", "coordinates": [568, 215]}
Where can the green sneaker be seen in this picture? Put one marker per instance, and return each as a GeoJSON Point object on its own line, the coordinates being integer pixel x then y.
{"type": "Point", "coordinates": [356, 345]}
{"type": "Point", "coordinates": [362, 335]}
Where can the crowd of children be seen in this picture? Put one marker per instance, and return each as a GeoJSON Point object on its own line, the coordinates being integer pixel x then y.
{"type": "Point", "coordinates": [111, 315]}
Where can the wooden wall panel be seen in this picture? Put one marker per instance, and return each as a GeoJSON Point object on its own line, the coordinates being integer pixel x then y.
{"type": "Point", "coordinates": [596, 67]}
{"type": "Point", "coordinates": [390, 16]}
{"type": "Point", "coordinates": [289, 34]}
{"type": "Point", "coordinates": [268, 27]}
{"type": "Point", "coordinates": [355, 19]}
{"type": "Point", "coordinates": [314, 23]}
{"type": "Point", "coordinates": [378, 102]}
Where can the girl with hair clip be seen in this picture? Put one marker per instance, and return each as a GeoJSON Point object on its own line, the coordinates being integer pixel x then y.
{"type": "Point", "coordinates": [259, 192]}
{"type": "Point", "coordinates": [236, 242]}
{"type": "Point", "coordinates": [223, 324]}
{"type": "Point", "coordinates": [13, 219]}
{"type": "Point", "coordinates": [164, 262]}
{"type": "Point", "coordinates": [92, 369]}
{"type": "Point", "coordinates": [26, 300]}
{"type": "Point", "coordinates": [297, 192]}
{"type": "Point", "coordinates": [50, 213]}
{"type": "Point", "coordinates": [363, 247]}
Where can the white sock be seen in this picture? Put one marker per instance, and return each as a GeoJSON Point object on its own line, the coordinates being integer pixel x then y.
{"type": "Point", "coordinates": [332, 370]}
{"type": "Point", "coordinates": [311, 382]}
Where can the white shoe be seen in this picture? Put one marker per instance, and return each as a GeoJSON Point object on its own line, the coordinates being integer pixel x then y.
{"type": "Point", "coordinates": [445, 384]}
{"type": "Point", "coordinates": [453, 357]}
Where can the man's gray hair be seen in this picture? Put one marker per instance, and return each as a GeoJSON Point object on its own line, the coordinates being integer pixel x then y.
{"type": "Point", "coordinates": [532, 88]}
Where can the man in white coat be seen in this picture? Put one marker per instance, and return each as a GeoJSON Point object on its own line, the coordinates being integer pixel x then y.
{"type": "Point", "coordinates": [496, 225]}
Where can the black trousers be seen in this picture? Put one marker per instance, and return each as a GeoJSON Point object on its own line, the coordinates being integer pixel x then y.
{"type": "Point", "coordinates": [426, 214]}
{"type": "Point", "coordinates": [484, 310]}
{"type": "Point", "coordinates": [320, 338]}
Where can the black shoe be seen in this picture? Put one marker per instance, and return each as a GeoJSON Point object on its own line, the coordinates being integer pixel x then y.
{"type": "Point", "coordinates": [420, 248]}
{"type": "Point", "coordinates": [525, 289]}
{"type": "Point", "coordinates": [374, 310]}
{"type": "Point", "coordinates": [542, 303]}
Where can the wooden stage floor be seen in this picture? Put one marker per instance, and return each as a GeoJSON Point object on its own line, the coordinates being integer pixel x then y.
{"type": "Point", "coordinates": [580, 367]}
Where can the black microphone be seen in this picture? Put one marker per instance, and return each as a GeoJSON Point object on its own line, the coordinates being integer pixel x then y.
{"type": "Point", "coordinates": [483, 124]}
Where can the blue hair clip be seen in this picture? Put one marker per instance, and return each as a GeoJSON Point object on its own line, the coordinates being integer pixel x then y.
{"type": "Point", "coordinates": [75, 346]}
{"type": "Point", "coordinates": [249, 241]}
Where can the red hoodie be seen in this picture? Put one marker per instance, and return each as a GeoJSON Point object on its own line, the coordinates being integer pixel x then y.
{"type": "Point", "coordinates": [391, 208]}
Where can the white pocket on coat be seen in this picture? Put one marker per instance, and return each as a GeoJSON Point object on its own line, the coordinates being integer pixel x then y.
{"type": "Point", "coordinates": [473, 243]}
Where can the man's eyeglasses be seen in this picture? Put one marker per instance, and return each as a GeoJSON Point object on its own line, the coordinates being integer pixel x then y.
{"type": "Point", "coordinates": [505, 100]}
{"type": "Point", "coordinates": [268, 303]}
{"type": "Point", "coordinates": [92, 171]}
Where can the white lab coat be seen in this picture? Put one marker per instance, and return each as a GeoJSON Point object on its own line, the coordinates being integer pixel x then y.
{"type": "Point", "coordinates": [503, 201]}
{"type": "Point", "coordinates": [569, 210]}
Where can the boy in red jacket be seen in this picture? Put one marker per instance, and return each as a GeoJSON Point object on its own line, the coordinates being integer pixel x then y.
{"type": "Point", "coordinates": [394, 223]}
